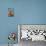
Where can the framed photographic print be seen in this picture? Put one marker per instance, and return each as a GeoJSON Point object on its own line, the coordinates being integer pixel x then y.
{"type": "Point", "coordinates": [10, 12]}
{"type": "Point", "coordinates": [33, 32]}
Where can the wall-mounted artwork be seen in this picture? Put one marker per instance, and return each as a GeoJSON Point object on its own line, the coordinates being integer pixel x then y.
{"type": "Point", "coordinates": [32, 32]}
{"type": "Point", "coordinates": [11, 38]}
{"type": "Point", "coordinates": [10, 12]}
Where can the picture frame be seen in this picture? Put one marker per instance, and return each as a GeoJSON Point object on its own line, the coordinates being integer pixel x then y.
{"type": "Point", "coordinates": [10, 12]}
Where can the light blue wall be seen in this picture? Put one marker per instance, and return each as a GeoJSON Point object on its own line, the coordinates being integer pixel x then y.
{"type": "Point", "coordinates": [26, 12]}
